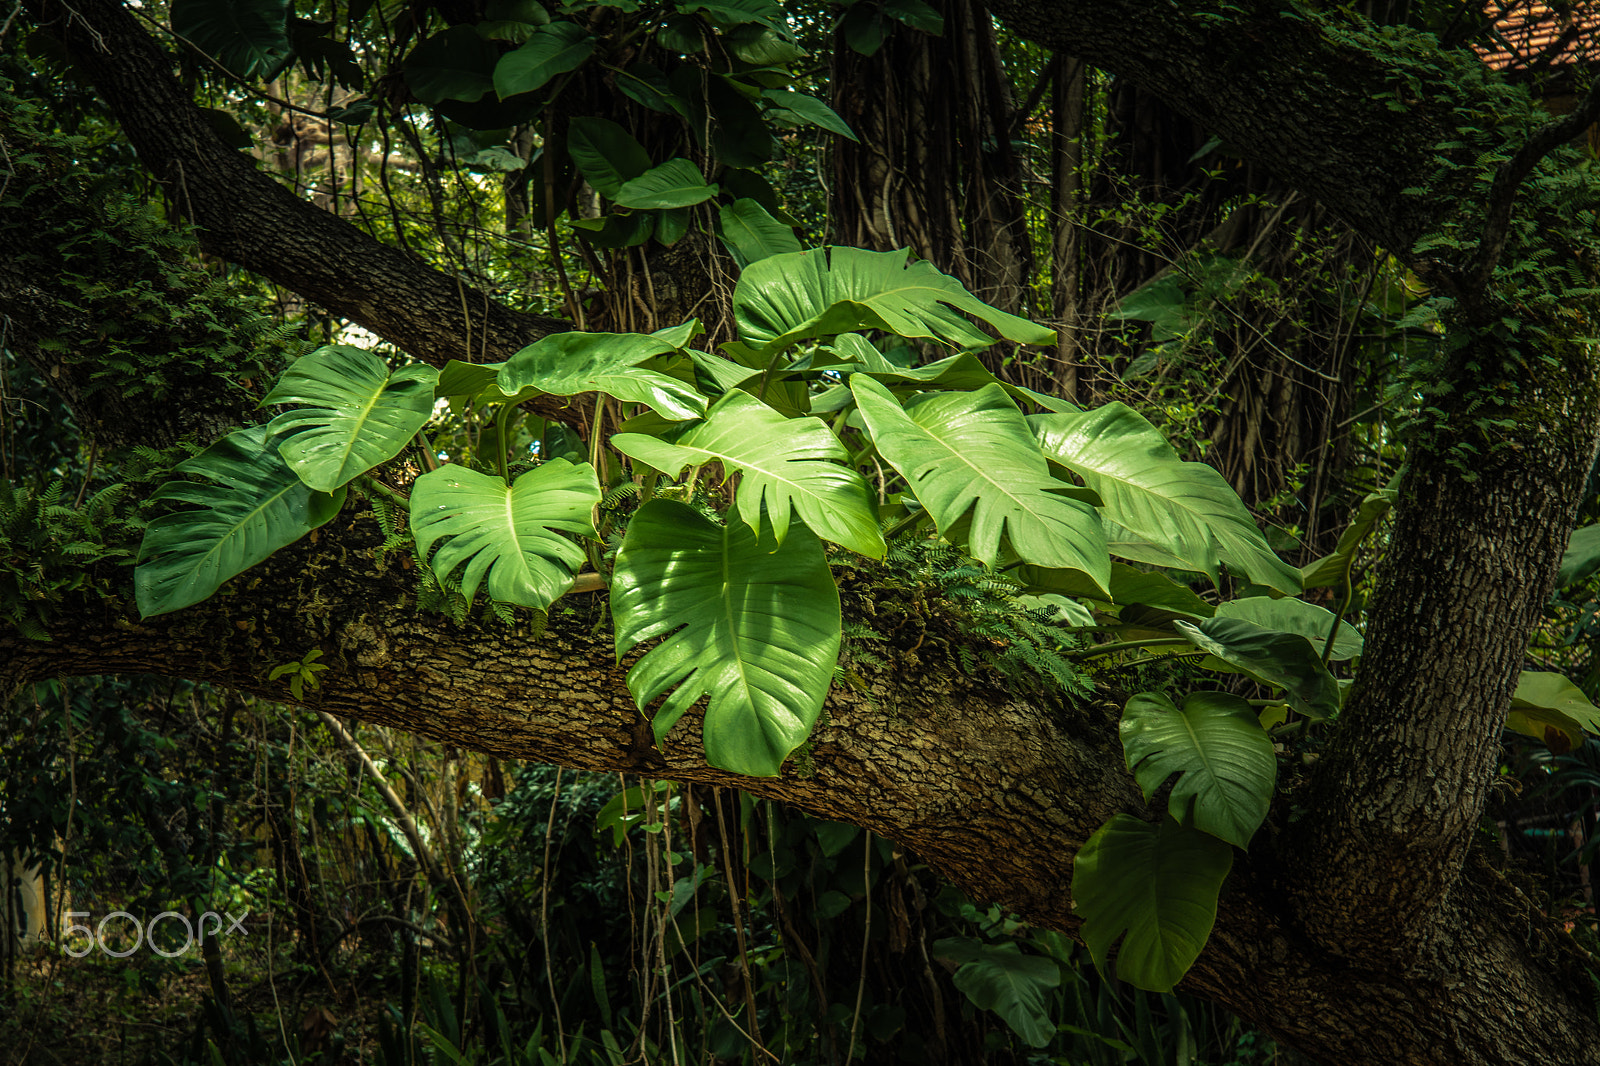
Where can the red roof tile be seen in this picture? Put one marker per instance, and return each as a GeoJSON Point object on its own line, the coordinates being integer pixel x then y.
{"type": "Point", "coordinates": [1537, 34]}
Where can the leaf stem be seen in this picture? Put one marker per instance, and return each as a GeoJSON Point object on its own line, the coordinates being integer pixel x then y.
{"type": "Point", "coordinates": [502, 421]}
{"type": "Point", "coordinates": [1123, 645]}
{"type": "Point", "coordinates": [904, 524]}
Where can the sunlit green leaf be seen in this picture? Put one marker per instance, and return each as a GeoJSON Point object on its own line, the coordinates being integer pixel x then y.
{"type": "Point", "coordinates": [755, 629]}
{"type": "Point", "coordinates": [972, 452]}
{"type": "Point", "coordinates": [567, 364]}
{"type": "Point", "coordinates": [357, 415]}
{"type": "Point", "coordinates": [251, 505]}
{"type": "Point", "coordinates": [507, 534]}
{"type": "Point", "coordinates": [788, 298]}
{"type": "Point", "coordinates": [675, 183]}
{"type": "Point", "coordinates": [1187, 509]}
{"type": "Point", "coordinates": [784, 466]}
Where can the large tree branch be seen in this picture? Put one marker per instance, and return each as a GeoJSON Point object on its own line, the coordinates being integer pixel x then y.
{"type": "Point", "coordinates": [996, 792]}
{"type": "Point", "coordinates": [246, 217]}
{"type": "Point", "coordinates": [1316, 102]}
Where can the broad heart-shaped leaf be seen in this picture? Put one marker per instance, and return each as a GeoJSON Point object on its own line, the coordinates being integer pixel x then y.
{"type": "Point", "coordinates": [751, 233]}
{"type": "Point", "coordinates": [964, 452]}
{"type": "Point", "coordinates": [1296, 616]}
{"type": "Point", "coordinates": [253, 506]}
{"type": "Point", "coordinates": [1332, 568]}
{"type": "Point", "coordinates": [248, 37]}
{"type": "Point", "coordinates": [819, 293]}
{"type": "Point", "coordinates": [1284, 659]}
{"type": "Point", "coordinates": [358, 414]}
{"type": "Point", "coordinates": [675, 183]}
{"type": "Point", "coordinates": [456, 64]}
{"type": "Point", "coordinates": [1186, 508]}
{"type": "Point", "coordinates": [1218, 746]}
{"type": "Point", "coordinates": [606, 153]}
{"type": "Point", "coordinates": [999, 977]}
{"type": "Point", "coordinates": [1550, 708]}
{"type": "Point", "coordinates": [554, 49]}
{"type": "Point", "coordinates": [785, 464]}
{"type": "Point", "coordinates": [477, 383]}
{"type": "Point", "coordinates": [1156, 884]}
{"type": "Point", "coordinates": [812, 110]}
{"type": "Point", "coordinates": [566, 364]}
{"type": "Point", "coordinates": [506, 532]}
{"type": "Point", "coordinates": [1582, 557]}
{"type": "Point", "coordinates": [755, 629]}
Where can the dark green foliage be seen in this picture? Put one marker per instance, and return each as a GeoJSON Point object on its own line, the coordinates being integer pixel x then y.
{"type": "Point", "coordinates": [927, 599]}
{"type": "Point", "coordinates": [141, 317]}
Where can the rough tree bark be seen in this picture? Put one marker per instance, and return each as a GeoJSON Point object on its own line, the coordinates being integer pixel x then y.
{"type": "Point", "coordinates": [1361, 928]}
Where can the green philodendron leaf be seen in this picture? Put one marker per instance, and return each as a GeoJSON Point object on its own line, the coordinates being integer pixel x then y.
{"type": "Point", "coordinates": [454, 65]}
{"type": "Point", "coordinates": [248, 37]}
{"type": "Point", "coordinates": [972, 452]}
{"type": "Point", "coordinates": [509, 534]}
{"type": "Point", "coordinates": [819, 293]}
{"type": "Point", "coordinates": [751, 234]}
{"type": "Point", "coordinates": [1332, 568]}
{"type": "Point", "coordinates": [553, 49]}
{"type": "Point", "coordinates": [567, 364]}
{"type": "Point", "coordinates": [1153, 887]}
{"type": "Point", "coordinates": [1284, 659]}
{"type": "Point", "coordinates": [1217, 745]}
{"type": "Point", "coordinates": [253, 506]}
{"type": "Point", "coordinates": [727, 13]}
{"type": "Point", "coordinates": [675, 183]}
{"type": "Point", "coordinates": [358, 415]}
{"type": "Point", "coordinates": [605, 153]}
{"type": "Point", "coordinates": [1148, 594]}
{"type": "Point", "coordinates": [1582, 557]}
{"type": "Point", "coordinates": [1188, 509]}
{"type": "Point", "coordinates": [477, 383]}
{"type": "Point", "coordinates": [787, 465]}
{"type": "Point", "coordinates": [999, 977]}
{"type": "Point", "coordinates": [755, 629]}
{"type": "Point", "coordinates": [1296, 616]}
{"type": "Point", "coordinates": [811, 110]}
{"type": "Point", "coordinates": [1550, 708]}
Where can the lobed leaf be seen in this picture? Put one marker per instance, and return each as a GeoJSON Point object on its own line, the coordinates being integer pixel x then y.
{"type": "Point", "coordinates": [1185, 509]}
{"type": "Point", "coordinates": [756, 630]}
{"type": "Point", "coordinates": [999, 977]}
{"type": "Point", "coordinates": [507, 535]}
{"type": "Point", "coordinates": [253, 506]}
{"type": "Point", "coordinates": [1217, 747]}
{"type": "Point", "coordinates": [819, 293]}
{"type": "Point", "coordinates": [358, 416]}
{"type": "Point", "coordinates": [787, 466]}
{"type": "Point", "coordinates": [972, 452]}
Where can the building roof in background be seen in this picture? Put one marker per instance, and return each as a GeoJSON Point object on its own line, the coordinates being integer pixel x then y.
{"type": "Point", "coordinates": [1539, 35]}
